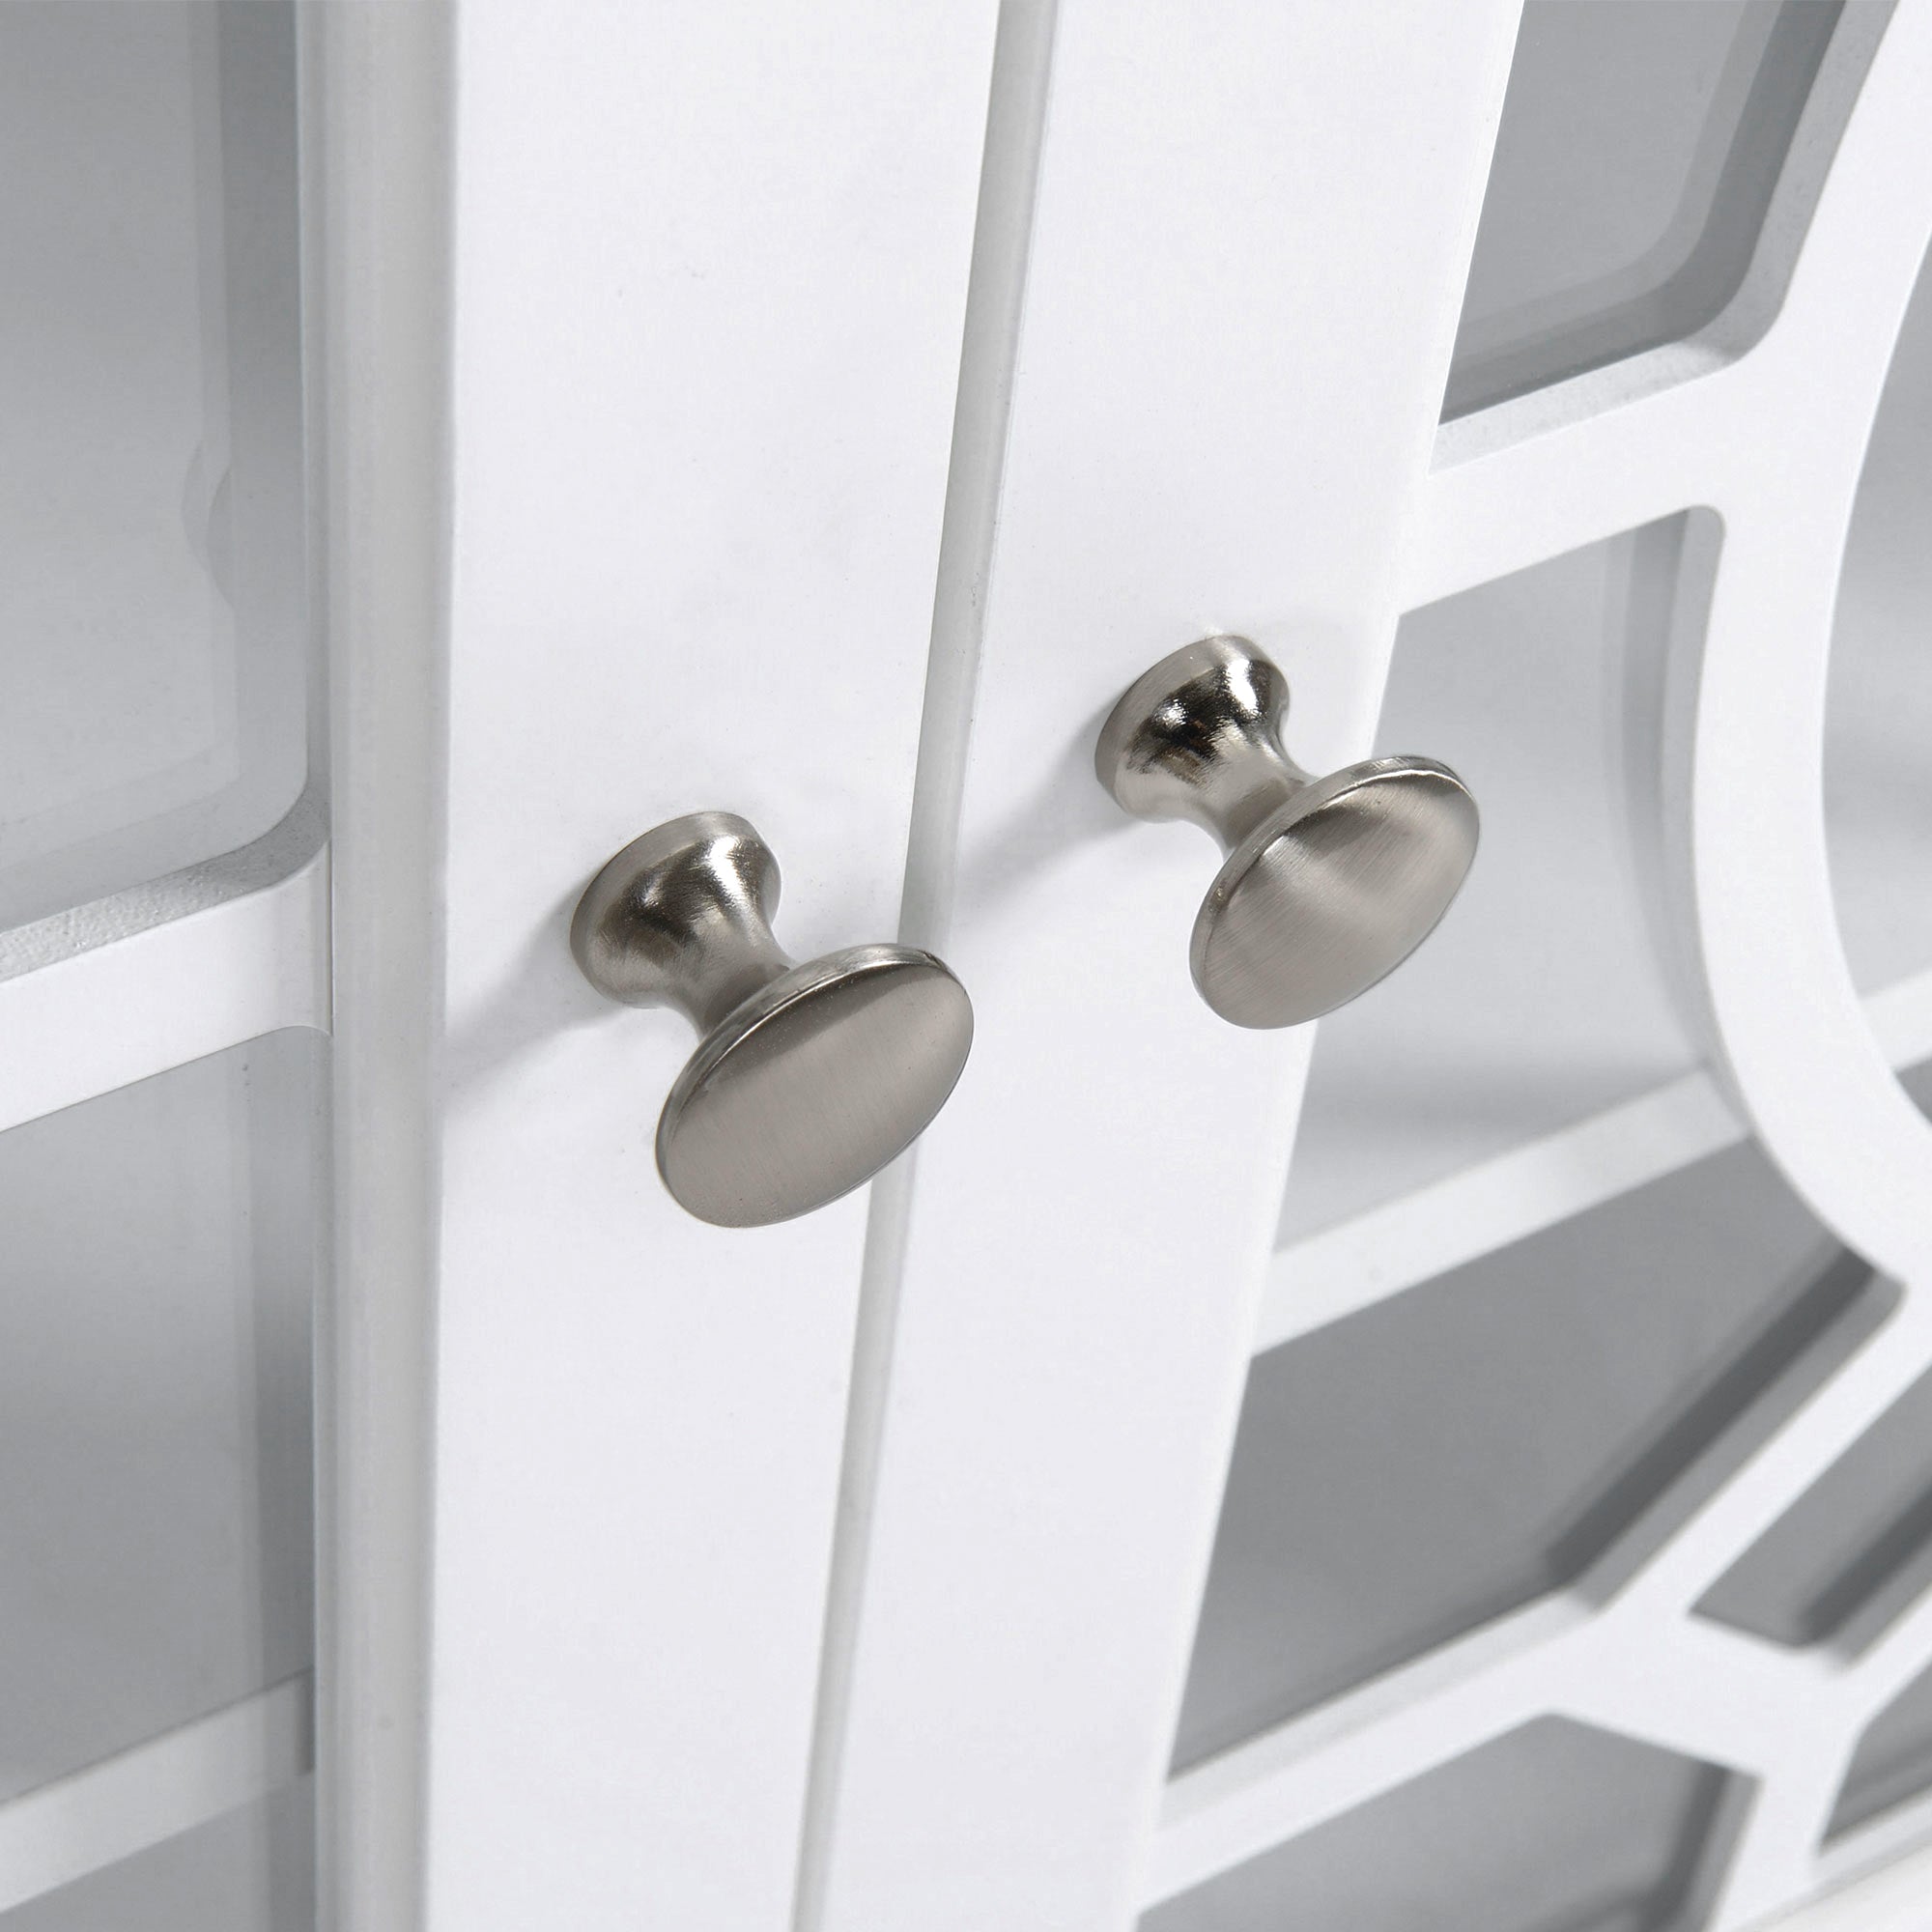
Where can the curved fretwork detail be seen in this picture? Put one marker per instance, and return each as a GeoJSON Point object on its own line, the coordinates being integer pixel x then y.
{"type": "Point", "coordinates": [1787, 1024]}
{"type": "Point", "coordinates": [1794, 1044]}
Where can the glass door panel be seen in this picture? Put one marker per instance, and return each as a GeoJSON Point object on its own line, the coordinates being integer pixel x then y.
{"type": "Point", "coordinates": [157, 1299]}
{"type": "Point", "coordinates": [152, 651]}
{"type": "Point", "coordinates": [250, 1871]}
{"type": "Point", "coordinates": [1639, 149]}
{"type": "Point", "coordinates": [1618, 1830]}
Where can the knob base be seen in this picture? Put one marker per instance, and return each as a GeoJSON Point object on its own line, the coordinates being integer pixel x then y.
{"type": "Point", "coordinates": [1197, 736]}
{"type": "Point", "coordinates": [681, 918]}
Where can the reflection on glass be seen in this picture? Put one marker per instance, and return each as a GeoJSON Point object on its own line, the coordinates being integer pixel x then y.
{"type": "Point", "coordinates": [1893, 1760]}
{"type": "Point", "coordinates": [1418, 1469]}
{"type": "Point", "coordinates": [155, 1294]}
{"type": "Point", "coordinates": [1541, 999]}
{"type": "Point", "coordinates": [1878, 716]}
{"type": "Point", "coordinates": [250, 1871]}
{"type": "Point", "coordinates": [1555, 1828]}
{"type": "Point", "coordinates": [151, 703]}
{"type": "Point", "coordinates": [1639, 145]}
{"type": "Point", "coordinates": [1856, 1549]}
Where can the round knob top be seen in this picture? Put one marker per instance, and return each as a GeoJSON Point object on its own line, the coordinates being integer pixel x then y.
{"type": "Point", "coordinates": [813, 1084]}
{"type": "Point", "coordinates": [810, 1078]}
{"type": "Point", "coordinates": [1332, 892]}
{"type": "Point", "coordinates": [1329, 883]}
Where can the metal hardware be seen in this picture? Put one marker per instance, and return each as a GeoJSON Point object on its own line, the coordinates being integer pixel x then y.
{"type": "Point", "coordinates": [810, 1078]}
{"type": "Point", "coordinates": [1330, 883]}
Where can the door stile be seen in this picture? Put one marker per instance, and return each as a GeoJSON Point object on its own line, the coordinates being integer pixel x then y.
{"type": "Point", "coordinates": [708, 276]}
{"type": "Point", "coordinates": [1216, 425]}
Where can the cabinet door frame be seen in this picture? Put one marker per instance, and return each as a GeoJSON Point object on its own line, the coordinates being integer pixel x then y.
{"type": "Point", "coordinates": [640, 336]}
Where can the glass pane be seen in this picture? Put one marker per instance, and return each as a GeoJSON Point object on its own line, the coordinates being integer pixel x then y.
{"type": "Point", "coordinates": [251, 1871]}
{"type": "Point", "coordinates": [1893, 1760]}
{"type": "Point", "coordinates": [1856, 1547]}
{"type": "Point", "coordinates": [1410, 1471]}
{"type": "Point", "coordinates": [1852, 1552]}
{"type": "Point", "coordinates": [152, 664]}
{"type": "Point", "coordinates": [1555, 1828]}
{"type": "Point", "coordinates": [155, 1404]}
{"type": "Point", "coordinates": [1639, 145]}
{"type": "Point", "coordinates": [1539, 998]}
{"type": "Point", "coordinates": [1878, 719]}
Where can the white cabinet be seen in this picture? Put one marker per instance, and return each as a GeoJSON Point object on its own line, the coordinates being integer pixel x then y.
{"type": "Point", "coordinates": [1463, 1462]}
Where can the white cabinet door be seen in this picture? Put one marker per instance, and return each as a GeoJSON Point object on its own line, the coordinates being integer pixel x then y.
{"type": "Point", "coordinates": [823, 417]}
{"type": "Point", "coordinates": [706, 272]}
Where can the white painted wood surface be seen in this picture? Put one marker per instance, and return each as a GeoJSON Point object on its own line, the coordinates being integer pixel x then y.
{"type": "Point", "coordinates": [710, 269]}
{"type": "Point", "coordinates": [376, 106]}
{"type": "Point", "coordinates": [83, 1021]}
{"type": "Point", "coordinates": [1091, 1217]}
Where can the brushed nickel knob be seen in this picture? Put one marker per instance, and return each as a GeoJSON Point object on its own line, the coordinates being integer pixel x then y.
{"type": "Point", "coordinates": [1329, 883]}
{"type": "Point", "coordinates": [810, 1078]}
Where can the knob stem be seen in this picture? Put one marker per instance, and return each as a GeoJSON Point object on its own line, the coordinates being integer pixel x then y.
{"type": "Point", "coordinates": [682, 918]}
{"type": "Point", "coordinates": [1199, 737]}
